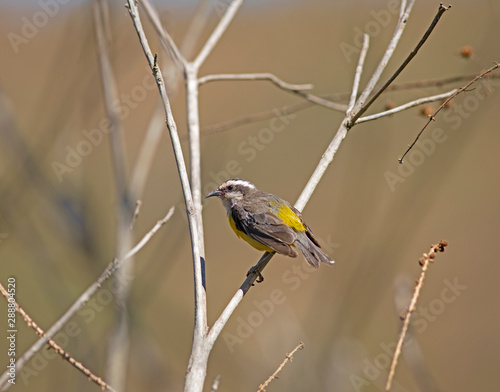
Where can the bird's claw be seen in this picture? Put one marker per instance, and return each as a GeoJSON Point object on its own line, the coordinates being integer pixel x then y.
{"type": "Point", "coordinates": [255, 270]}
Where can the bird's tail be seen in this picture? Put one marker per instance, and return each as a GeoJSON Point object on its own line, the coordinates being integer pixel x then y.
{"type": "Point", "coordinates": [313, 254]}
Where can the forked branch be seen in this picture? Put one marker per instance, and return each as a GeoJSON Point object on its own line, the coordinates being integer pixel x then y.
{"type": "Point", "coordinates": [443, 105]}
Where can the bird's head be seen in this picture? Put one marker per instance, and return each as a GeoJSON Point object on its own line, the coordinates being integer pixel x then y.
{"type": "Point", "coordinates": [233, 190]}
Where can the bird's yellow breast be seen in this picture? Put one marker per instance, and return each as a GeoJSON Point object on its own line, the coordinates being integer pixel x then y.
{"type": "Point", "coordinates": [257, 245]}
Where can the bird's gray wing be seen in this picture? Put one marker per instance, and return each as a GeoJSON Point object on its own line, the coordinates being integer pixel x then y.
{"type": "Point", "coordinates": [266, 228]}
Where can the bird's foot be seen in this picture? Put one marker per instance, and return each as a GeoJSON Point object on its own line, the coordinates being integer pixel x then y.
{"type": "Point", "coordinates": [255, 270]}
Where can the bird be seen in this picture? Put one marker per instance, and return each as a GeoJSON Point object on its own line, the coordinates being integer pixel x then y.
{"type": "Point", "coordinates": [267, 222]}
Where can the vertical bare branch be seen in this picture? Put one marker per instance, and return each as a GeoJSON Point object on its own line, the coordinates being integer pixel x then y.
{"type": "Point", "coordinates": [200, 319]}
{"type": "Point", "coordinates": [357, 74]}
{"type": "Point", "coordinates": [119, 342]}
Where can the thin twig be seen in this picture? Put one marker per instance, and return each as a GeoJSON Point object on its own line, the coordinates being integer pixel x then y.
{"type": "Point", "coordinates": [433, 82]}
{"type": "Point", "coordinates": [294, 108]}
{"type": "Point", "coordinates": [433, 117]}
{"type": "Point", "coordinates": [413, 53]}
{"type": "Point", "coordinates": [58, 349]}
{"type": "Point", "coordinates": [413, 353]}
{"type": "Point", "coordinates": [424, 262]}
{"type": "Point", "coordinates": [400, 27]}
{"type": "Point", "coordinates": [406, 106]}
{"type": "Point", "coordinates": [165, 38]}
{"type": "Point", "coordinates": [334, 145]}
{"type": "Point", "coordinates": [357, 74]}
{"type": "Point", "coordinates": [288, 358]}
{"type": "Point", "coordinates": [219, 324]}
{"type": "Point", "coordinates": [255, 76]}
{"type": "Point", "coordinates": [297, 89]}
{"type": "Point", "coordinates": [217, 33]}
{"type": "Point", "coordinates": [84, 298]}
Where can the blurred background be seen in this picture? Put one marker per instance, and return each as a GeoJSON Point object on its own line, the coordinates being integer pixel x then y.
{"type": "Point", "coordinates": [372, 215]}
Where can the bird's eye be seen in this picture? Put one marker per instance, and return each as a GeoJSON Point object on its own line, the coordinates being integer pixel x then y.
{"type": "Point", "coordinates": [230, 188]}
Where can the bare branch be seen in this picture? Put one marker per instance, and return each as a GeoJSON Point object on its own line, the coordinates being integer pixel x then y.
{"type": "Point", "coordinates": [196, 374]}
{"type": "Point", "coordinates": [84, 298]}
{"type": "Point", "coordinates": [293, 108]}
{"type": "Point", "coordinates": [357, 74]}
{"type": "Point", "coordinates": [217, 33]}
{"type": "Point", "coordinates": [364, 107]}
{"type": "Point", "coordinates": [403, 18]}
{"type": "Point", "coordinates": [433, 82]}
{"type": "Point", "coordinates": [293, 88]}
{"type": "Point", "coordinates": [433, 117]}
{"type": "Point", "coordinates": [237, 297]}
{"type": "Point", "coordinates": [334, 145]}
{"type": "Point", "coordinates": [406, 106]}
{"type": "Point", "coordinates": [58, 349]}
{"type": "Point", "coordinates": [288, 358]}
{"type": "Point", "coordinates": [424, 262]}
{"type": "Point", "coordinates": [255, 76]}
{"type": "Point", "coordinates": [165, 38]}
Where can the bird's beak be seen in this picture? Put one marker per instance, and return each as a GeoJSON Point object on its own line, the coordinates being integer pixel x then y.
{"type": "Point", "coordinates": [214, 193]}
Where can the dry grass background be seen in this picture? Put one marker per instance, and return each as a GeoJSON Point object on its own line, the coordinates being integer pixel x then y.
{"type": "Point", "coordinates": [60, 235]}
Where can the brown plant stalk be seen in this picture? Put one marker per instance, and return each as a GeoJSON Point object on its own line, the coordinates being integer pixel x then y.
{"type": "Point", "coordinates": [424, 262]}
{"type": "Point", "coordinates": [58, 349]}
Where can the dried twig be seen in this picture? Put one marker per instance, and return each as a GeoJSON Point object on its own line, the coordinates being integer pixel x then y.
{"type": "Point", "coordinates": [357, 74]}
{"type": "Point", "coordinates": [288, 357]}
{"type": "Point", "coordinates": [58, 349]}
{"type": "Point", "coordinates": [84, 298]}
{"type": "Point", "coordinates": [255, 76]}
{"type": "Point", "coordinates": [433, 117]}
{"type": "Point", "coordinates": [293, 108]}
{"type": "Point", "coordinates": [297, 89]}
{"type": "Point", "coordinates": [364, 107]}
{"type": "Point", "coordinates": [424, 262]}
{"type": "Point", "coordinates": [406, 106]}
{"type": "Point", "coordinates": [361, 104]}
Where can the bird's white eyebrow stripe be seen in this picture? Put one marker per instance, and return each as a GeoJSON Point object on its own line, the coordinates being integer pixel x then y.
{"type": "Point", "coordinates": [240, 182]}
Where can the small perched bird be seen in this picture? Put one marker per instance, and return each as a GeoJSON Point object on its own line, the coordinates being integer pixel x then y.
{"type": "Point", "coordinates": [267, 222]}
